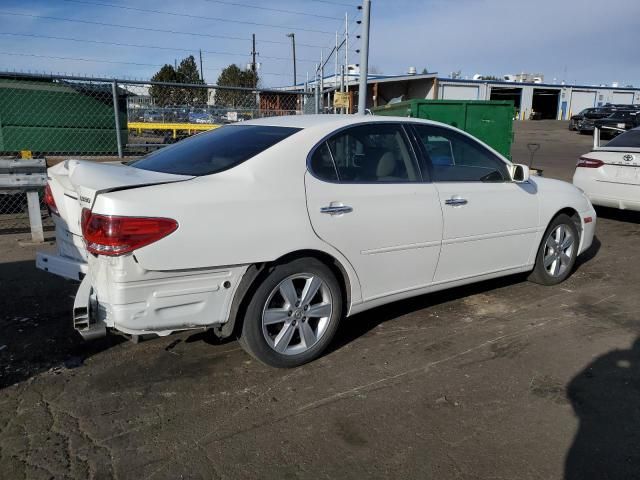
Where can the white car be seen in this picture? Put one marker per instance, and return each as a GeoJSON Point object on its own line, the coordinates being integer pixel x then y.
{"type": "Point", "coordinates": [610, 175]}
{"type": "Point", "coordinates": [275, 229]}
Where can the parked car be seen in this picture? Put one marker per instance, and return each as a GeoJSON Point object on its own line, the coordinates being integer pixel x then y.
{"type": "Point", "coordinates": [610, 175]}
{"type": "Point", "coordinates": [275, 229]}
{"type": "Point", "coordinates": [617, 121]}
{"type": "Point", "coordinates": [200, 117]}
{"type": "Point", "coordinates": [575, 119]}
{"type": "Point", "coordinates": [586, 124]}
{"type": "Point", "coordinates": [153, 116]}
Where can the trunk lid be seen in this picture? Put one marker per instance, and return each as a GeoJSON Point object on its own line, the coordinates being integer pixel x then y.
{"type": "Point", "coordinates": [75, 184]}
{"type": "Point", "coordinates": [620, 166]}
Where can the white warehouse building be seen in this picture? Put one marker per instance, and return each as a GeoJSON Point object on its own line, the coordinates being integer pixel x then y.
{"type": "Point", "coordinates": [548, 100]}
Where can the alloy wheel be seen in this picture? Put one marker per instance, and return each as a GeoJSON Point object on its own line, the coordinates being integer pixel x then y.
{"type": "Point", "coordinates": [297, 313]}
{"type": "Point", "coordinates": [558, 250]}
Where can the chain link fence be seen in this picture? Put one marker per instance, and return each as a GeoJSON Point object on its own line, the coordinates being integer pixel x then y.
{"type": "Point", "coordinates": [14, 212]}
{"type": "Point", "coordinates": [101, 119]}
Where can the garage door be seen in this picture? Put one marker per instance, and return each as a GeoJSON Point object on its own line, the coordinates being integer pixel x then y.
{"type": "Point", "coordinates": [625, 98]}
{"type": "Point", "coordinates": [459, 92]}
{"type": "Point", "coordinates": [581, 100]}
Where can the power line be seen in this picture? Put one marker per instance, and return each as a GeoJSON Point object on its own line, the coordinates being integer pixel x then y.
{"type": "Point", "coordinates": [118, 44]}
{"type": "Point", "coordinates": [78, 59]}
{"type": "Point", "coordinates": [201, 17]}
{"type": "Point", "coordinates": [336, 3]}
{"type": "Point", "coordinates": [280, 10]}
{"type": "Point", "coordinates": [135, 45]}
{"type": "Point", "coordinates": [146, 29]}
{"type": "Point", "coordinates": [96, 60]}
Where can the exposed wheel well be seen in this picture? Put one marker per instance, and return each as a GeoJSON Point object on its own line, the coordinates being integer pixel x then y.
{"type": "Point", "coordinates": [575, 216]}
{"type": "Point", "coordinates": [255, 274]}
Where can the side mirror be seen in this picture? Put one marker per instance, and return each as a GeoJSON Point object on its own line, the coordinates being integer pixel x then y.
{"type": "Point", "coordinates": [520, 173]}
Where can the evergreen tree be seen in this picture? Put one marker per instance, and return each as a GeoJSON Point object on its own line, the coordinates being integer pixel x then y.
{"type": "Point", "coordinates": [163, 96]}
{"type": "Point", "coordinates": [233, 76]}
{"type": "Point", "coordinates": [187, 72]}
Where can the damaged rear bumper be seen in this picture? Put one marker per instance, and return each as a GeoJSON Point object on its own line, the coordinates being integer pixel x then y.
{"type": "Point", "coordinates": [85, 318]}
{"type": "Point", "coordinates": [117, 293]}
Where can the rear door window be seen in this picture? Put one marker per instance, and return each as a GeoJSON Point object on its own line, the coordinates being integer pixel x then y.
{"type": "Point", "coordinates": [214, 151]}
{"type": "Point", "coordinates": [370, 153]}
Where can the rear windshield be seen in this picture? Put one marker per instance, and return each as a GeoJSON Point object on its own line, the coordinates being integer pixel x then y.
{"type": "Point", "coordinates": [214, 151]}
{"type": "Point", "coordinates": [629, 139]}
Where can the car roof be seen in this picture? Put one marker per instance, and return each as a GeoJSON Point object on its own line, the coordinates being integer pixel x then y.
{"type": "Point", "coordinates": [338, 120]}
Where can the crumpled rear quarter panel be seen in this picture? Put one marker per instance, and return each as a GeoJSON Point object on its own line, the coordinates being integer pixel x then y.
{"type": "Point", "coordinates": [135, 300]}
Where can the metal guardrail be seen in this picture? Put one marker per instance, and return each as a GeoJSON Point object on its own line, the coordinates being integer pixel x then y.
{"type": "Point", "coordinates": [175, 127]}
{"type": "Point", "coordinates": [21, 199]}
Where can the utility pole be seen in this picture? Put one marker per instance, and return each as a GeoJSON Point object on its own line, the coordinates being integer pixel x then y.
{"type": "Point", "coordinates": [253, 60]}
{"type": "Point", "coordinates": [316, 96]}
{"type": "Point", "coordinates": [321, 81]}
{"type": "Point", "coordinates": [364, 57]}
{"type": "Point", "coordinates": [335, 74]}
{"type": "Point", "coordinates": [292, 36]}
{"type": "Point", "coordinates": [201, 70]}
{"type": "Point", "coordinates": [346, 45]}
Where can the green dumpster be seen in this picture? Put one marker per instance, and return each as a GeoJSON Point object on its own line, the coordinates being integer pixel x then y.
{"type": "Point", "coordinates": [488, 120]}
{"type": "Point", "coordinates": [59, 117]}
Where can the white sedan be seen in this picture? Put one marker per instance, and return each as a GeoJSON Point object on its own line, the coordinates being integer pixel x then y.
{"type": "Point", "coordinates": [610, 175]}
{"type": "Point", "coordinates": [275, 229]}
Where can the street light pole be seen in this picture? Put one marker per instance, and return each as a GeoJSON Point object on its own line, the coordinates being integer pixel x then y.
{"type": "Point", "coordinates": [292, 36]}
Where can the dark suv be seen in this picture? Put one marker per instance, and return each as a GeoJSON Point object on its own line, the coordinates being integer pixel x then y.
{"type": "Point", "coordinates": [620, 120]}
{"type": "Point", "coordinates": [578, 117]}
{"type": "Point", "coordinates": [586, 124]}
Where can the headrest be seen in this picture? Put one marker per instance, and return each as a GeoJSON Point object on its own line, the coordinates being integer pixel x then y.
{"type": "Point", "coordinates": [386, 165]}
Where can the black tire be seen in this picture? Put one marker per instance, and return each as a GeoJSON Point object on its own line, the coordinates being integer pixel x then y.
{"type": "Point", "coordinates": [540, 274]}
{"type": "Point", "coordinates": [252, 338]}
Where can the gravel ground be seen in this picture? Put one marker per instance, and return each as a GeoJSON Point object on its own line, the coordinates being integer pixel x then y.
{"type": "Point", "coordinates": [501, 380]}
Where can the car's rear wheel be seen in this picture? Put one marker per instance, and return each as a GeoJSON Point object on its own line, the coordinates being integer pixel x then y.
{"type": "Point", "coordinates": [293, 314]}
{"type": "Point", "coordinates": [557, 253]}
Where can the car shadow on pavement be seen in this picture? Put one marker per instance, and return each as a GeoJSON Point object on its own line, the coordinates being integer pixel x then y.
{"type": "Point", "coordinates": [36, 333]}
{"type": "Point", "coordinates": [354, 327]}
{"type": "Point", "coordinates": [358, 325]}
{"type": "Point", "coordinates": [606, 399]}
{"type": "Point", "coordinates": [628, 216]}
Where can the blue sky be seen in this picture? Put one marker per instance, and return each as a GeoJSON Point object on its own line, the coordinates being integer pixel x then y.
{"type": "Point", "coordinates": [586, 41]}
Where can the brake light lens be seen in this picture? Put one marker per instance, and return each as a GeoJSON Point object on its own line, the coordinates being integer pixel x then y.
{"type": "Point", "coordinates": [589, 163]}
{"type": "Point", "coordinates": [112, 235]}
{"type": "Point", "coordinates": [49, 200]}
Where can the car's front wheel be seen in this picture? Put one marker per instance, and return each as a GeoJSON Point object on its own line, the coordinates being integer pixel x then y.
{"type": "Point", "coordinates": [293, 314]}
{"type": "Point", "coordinates": [557, 253]}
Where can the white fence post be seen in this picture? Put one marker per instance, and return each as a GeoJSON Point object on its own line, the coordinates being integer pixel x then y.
{"type": "Point", "coordinates": [35, 217]}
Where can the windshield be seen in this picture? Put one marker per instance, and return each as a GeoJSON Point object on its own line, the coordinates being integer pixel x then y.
{"type": "Point", "coordinates": [214, 151]}
{"type": "Point", "coordinates": [628, 139]}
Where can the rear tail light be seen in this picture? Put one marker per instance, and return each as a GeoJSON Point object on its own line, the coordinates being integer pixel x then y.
{"type": "Point", "coordinates": [113, 236]}
{"type": "Point", "coordinates": [49, 200]}
{"type": "Point", "coordinates": [589, 163]}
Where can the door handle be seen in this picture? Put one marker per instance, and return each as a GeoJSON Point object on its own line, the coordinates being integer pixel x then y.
{"type": "Point", "coordinates": [456, 201]}
{"type": "Point", "coordinates": [336, 208]}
